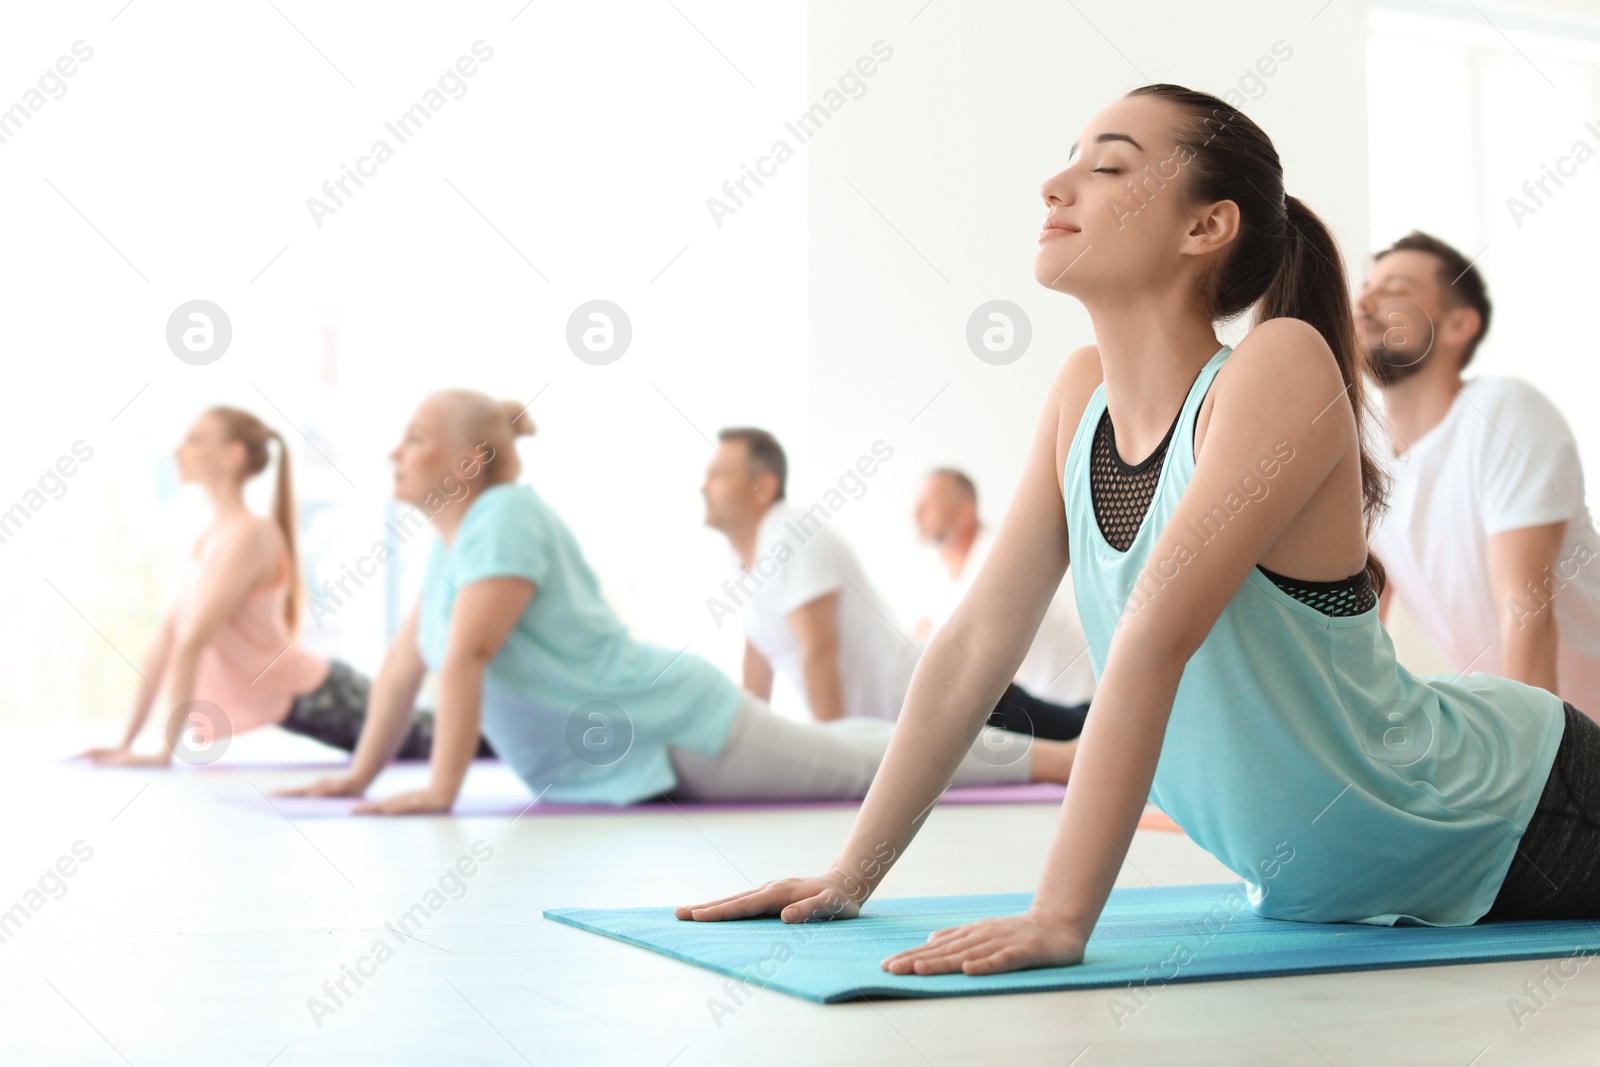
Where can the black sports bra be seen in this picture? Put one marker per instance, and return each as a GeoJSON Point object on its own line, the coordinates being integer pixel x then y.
{"type": "Point", "coordinates": [1121, 494]}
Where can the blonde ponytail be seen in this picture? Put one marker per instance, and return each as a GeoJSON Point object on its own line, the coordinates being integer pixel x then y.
{"type": "Point", "coordinates": [283, 513]}
{"type": "Point", "coordinates": [240, 425]}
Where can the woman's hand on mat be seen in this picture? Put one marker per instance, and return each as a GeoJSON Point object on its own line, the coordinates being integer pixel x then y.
{"type": "Point", "coordinates": [126, 757]}
{"type": "Point", "coordinates": [416, 802]}
{"type": "Point", "coordinates": [347, 785]}
{"type": "Point", "coordinates": [794, 900]}
{"type": "Point", "coordinates": [992, 946]}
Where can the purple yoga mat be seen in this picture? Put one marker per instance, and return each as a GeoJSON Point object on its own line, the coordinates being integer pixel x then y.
{"type": "Point", "coordinates": [333, 761]}
{"type": "Point", "coordinates": [335, 807]}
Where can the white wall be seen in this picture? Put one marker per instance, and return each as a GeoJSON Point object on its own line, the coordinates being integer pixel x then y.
{"type": "Point", "coordinates": [925, 203]}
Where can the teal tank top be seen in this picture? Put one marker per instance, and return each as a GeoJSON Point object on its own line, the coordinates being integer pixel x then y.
{"type": "Point", "coordinates": [1337, 784]}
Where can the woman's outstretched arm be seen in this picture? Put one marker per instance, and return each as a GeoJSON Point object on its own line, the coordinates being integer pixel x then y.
{"type": "Point", "coordinates": [962, 673]}
{"type": "Point", "coordinates": [152, 668]}
{"type": "Point", "coordinates": [240, 561]}
{"type": "Point", "coordinates": [390, 704]}
{"type": "Point", "coordinates": [1281, 391]}
{"type": "Point", "coordinates": [484, 614]}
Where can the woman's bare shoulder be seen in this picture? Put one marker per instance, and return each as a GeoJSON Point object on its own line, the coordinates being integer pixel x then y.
{"type": "Point", "coordinates": [246, 533]}
{"type": "Point", "coordinates": [1288, 354]}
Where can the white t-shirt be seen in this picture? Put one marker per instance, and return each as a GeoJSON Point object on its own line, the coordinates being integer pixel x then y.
{"type": "Point", "coordinates": [1057, 666]}
{"type": "Point", "coordinates": [1502, 459]}
{"type": "Point", "coordinates": [799, 558]}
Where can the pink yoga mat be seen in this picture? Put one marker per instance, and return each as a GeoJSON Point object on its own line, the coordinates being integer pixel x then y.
{"type": "Point", "coordinates": [334, 807]}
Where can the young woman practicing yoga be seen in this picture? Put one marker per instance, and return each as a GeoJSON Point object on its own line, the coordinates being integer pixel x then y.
{"type": "Point", "coordinates": [228, 640]}
{"type": "Point", "coordinates": [1215, 502]}
{"type": "Point", "coordinates": [528, 652]}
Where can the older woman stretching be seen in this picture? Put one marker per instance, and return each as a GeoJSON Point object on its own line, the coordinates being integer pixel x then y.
{"type": "Point", "coordinates": [512, 619]}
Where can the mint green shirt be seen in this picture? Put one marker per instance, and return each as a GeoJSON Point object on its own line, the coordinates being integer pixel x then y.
{"type": "Point", "coordinates": [571, 702]}
{"type": "Point", "coordinates": [1337, 784]}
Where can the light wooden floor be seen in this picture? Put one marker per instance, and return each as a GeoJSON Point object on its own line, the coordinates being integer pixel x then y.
{"type": "Point", "coordinates": [197, 931]}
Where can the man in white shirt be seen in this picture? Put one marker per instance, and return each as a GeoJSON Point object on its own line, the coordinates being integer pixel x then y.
{"type": "Point", "coordinates": [1487, 539]}
{"type": "Point", "coordinates": [1057, 666]}
{"type": "Point", "coordinates": [809, 612]}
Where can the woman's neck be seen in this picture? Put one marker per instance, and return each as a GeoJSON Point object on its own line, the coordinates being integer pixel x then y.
{"type": "Point", "coordinates": [227, 500]}
{"type": "Point", "coordinates": [1150, 356]}
{"type": "Point", "coordinates": [447, 520]}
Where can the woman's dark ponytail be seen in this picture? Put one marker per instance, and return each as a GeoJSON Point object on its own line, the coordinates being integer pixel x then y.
{"type": "Point", "coordinates": [1285, 261]}
{"type": "Point", "coordinates": [1311, 286]}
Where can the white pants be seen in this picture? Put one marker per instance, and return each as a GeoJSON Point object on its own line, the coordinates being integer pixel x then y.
{"type": "Point", "coordinates": [769, 757]}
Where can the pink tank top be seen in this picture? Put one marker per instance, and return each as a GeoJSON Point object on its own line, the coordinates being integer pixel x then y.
{"type": "Point", "coordinates": [252, 669]}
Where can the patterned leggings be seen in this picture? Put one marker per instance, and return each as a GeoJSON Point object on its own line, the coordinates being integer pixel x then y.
{"type": "Point", "coordinates": [334, 712]}
{"type": "Point", "coordinates": [1556, 872]}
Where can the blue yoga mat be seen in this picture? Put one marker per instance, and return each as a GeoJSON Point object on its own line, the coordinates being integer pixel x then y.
{"type": "Point", "coordinates": [1145, 938]}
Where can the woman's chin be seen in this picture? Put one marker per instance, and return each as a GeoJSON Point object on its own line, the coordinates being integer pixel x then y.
{"type": "Point", "coordinates": [1053, 277]}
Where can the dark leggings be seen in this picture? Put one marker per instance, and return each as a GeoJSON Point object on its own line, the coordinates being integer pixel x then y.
{"type": "Point", "coordinates": [1022, 713]}
{"type": "Point", "coordinates": [334, 712]}
{"type": "Point", "coordinates": [1556, 872]}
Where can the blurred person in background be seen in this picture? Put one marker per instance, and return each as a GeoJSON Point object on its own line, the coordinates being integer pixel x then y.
{"type": "Point", "coordinates": [226, 652]}
{"type": "Point", "coordinates": [1057, 666]}
{"type": "Point", "coordinates": [1487, 539]}
{"type": "Point", "coordinates": [810, 613]}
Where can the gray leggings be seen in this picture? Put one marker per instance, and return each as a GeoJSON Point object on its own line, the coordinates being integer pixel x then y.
{"type": "Point", "coordinates": [1556, 872]}
{"type": "Point", "coordinates": [769, 757]}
